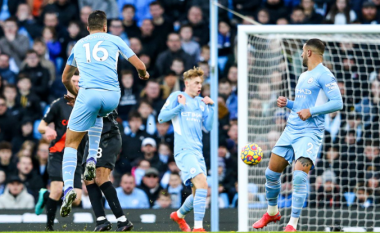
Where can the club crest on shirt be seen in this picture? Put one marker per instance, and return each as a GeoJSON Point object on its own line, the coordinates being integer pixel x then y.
{"type": "Point", "coordinates": [310, 80]}
{"type": "Point", "coordinates": [202, 107]}
{"type": "Point", "coordinates": [193, 170]}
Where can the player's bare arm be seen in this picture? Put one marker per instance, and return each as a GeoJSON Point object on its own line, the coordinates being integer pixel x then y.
{"type": "Point", "coordinates": [208, 100]}
{"type": "Point", "coordinates": [140, 67]}
{"type": "Point", "coordinates": [67, 74]}
{"type": "Point", "coordinates": [44, 128]}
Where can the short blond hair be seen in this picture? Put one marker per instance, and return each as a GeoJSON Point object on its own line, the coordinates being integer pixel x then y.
{"type": "Point", "coordinates": [192, 73]}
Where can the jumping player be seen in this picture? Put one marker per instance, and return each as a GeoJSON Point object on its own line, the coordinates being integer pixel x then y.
{"type": "Point", "coordinates": [189, 113]}
{"type": "Point", "coordinates": [58, 114]}
{"type": "Point", "coordinates": [317, 94]}
{"type": "Point", "coordinates": [96, 58]}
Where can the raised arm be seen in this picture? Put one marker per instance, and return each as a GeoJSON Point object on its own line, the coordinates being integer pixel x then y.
{"type": "Point", "coordinates": [331, 90]}
{"type": "Point", "coordinates": [172, 107]}
{"type": "Point", "coordinates": [128, 54]}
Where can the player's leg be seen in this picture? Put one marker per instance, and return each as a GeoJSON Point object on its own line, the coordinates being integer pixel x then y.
{"type": "Point", "coordinates": [102, 180]}
{"type": "Point", "coordinates": [109, 101]}
{"type": "Point", "coordinates": [82, 118]}
{"type": "Point", "coordinates": [199, 204]}
{"type": "Point", "coordinates": [282, 155]}
{"type": "Point", "coordinates": [306, 150]}
{"type": "Point", "coordinates": [52, 202]}
{"type": "Point", "coordinates": [94, 134]}
{"type": "Point", "coordinates": [179, 215]}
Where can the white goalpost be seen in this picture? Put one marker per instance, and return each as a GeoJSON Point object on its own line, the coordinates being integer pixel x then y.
{"type": "Point", "coordinates": [269, 64]}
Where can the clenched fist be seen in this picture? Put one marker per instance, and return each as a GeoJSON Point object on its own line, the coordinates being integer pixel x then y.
{"type": "Point", "coordinates": [182, 99]}
{"type": "Point", "coordinates": [281, 101]}
{"type": "Point", "coordinates": [207, 100]}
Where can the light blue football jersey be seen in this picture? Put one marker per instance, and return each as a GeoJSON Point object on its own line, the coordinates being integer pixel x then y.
{"type": "Point", "coordinates": [96, 58]}
{"type": "Point", "coordinates": [187, 120]}
{"type": "Point", "coordinates": [318, 91]}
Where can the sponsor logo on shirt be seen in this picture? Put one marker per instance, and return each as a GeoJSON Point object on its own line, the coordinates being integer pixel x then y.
{"type": "Point", "coordinates": [301, 93]}
{"type": "Point", "coordinates": [192, 116]}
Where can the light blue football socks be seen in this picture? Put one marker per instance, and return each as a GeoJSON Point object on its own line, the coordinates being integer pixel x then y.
{"type": "Point", "coordinates": [69, 165]}
{"type": "Point", "coordinates": [273, 188]}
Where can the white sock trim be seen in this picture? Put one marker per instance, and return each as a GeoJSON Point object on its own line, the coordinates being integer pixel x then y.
{"type": "Point", "coordinates": [198, 224]}
{"type": "Point", "coordinates": [180, 215]}
{"type": "Point", "coordinates": [272, 210]}
{"type": "Point", "coordinates": [122, 219]}
{"type": "Point", "coordinates": [293, 222]}
{"type": "Point", "coordinates": [101, 218]}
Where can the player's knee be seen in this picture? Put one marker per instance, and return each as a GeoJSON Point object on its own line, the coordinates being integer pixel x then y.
{"type": "Point", "coordinates": [100, 180]}
{"type": "Point", "coordinates": [299, 177]}
{"type": "Point", "coordinates": [272, 176]}
{"type": "Point", "coordinates": [200, 181]}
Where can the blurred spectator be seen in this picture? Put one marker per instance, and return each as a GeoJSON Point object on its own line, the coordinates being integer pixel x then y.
{"type": "Point", "coordinates": [246, 7]}
{"type": "Point", "coordinates": [165, 59]}
{"type": "Point", "coordinates": [163, 134]}
{"type": "Point", "coordinates": [74, 33]}
{"type": "Point", "coordinates": [172, 169]}
{"type": "Point", "coordinates": [149, 149]}
{"type": "Point", "coordinates": [7, 123]}
{"type": "Point", "coordinates": [188, 44]}
{"type": "Point", "coordinates": [40, 47]}
{"type": "Point", "coordinates": [297, 16]}
{"type": "Point", "coordinates": [206, 71]}
{"type": "Point", "coordinates": [263, 16]}
{"type": "Point", "coordinates": [372, 156]}
{"type": "Point", "coordinates": [25, 135]}
{"type": "Point", "coordinates": [233, 77]}
{"type": "Point", "coordinates": [108, 6]}
{"type": "Point", "coordinates": [341, 13]}
{"type": "Point", "coordinates": [162, 25]}
{"type": "Point", "coordinates": [333, 123]}
{"type": "Point", "coordinates": [311, 16]}
{"type": "Point", "coordinates": [42, 156]}
{"type": "Point", "coordinates": [129, 94]}
{"type": "Point", "coordinates": [205, 53]}
{"type": "Point", "coordinates": [232, 140]}
{"type": "Point", "coordinates": [369, 13]}
{"type": "Point", "coordinates": [282, 21]}
{"type": "Point", "coordinates": [7, 75]}
{"type": "Point", "coordinates": [286, 194]}
{"type": "Point", "coordinates": [6, 164]}
{"type": "Point", "coordinates": [3, 177]}
{"type": "Point", "coordinates": [172, 83]}
{"type": "Point", "coordinates": [129, 24]}
{"type": "Point", "coordinates": [39, 76]}
{"type": "Point", "coordinates": [354, 122]}
{"type": "Point", "coordinates": [164, 201]}
{"type": "Point", "coordinates": [85, 11]}
{"type": "Point", "coordinates": [141, 6]}
{"type": "Point", "coordinates": [195, 20]}
{"type": "Point", "coordinates": [61, 34]}
{"type": "Point", "coordinates": [9, 8]}
{"type": "Point", "coordinates": [225, 89]}
{"type": "Point", "coordinates": [328, 194]}
{"type": "Point", "coordinates": [154, 94]}
{"type": "Point", "coordinates": [139, 171]}
{"type": "Point", "coordinates": [30, 178]}
{"type": "Point", "coordinates": [148, 118]}
{"type": "Point", "coordinates": [164, 152]}
{"type": "Point", "coordinates": [116, 29]}
{"type": "Point", "coordinates": [178, 67]}
{"type": "Point", "coordinates": [226, 38]}
{"type": "Point", "coordinates": [362, 198]}
{"type": "Point", "coordinates": [150, 185]}
{"type": "Point", "coordinates": [27, 25]}
{"type": "Point", "coordinates": [65, 10]}
{"type": "Point", "coordinates": [151, 43]}
{"type": "Point", "coordinates": [54, 47]}
{"type": "Point", "coordinates": [27, 150]}
{"type": "Point", "coordinates": [373, 186]}
{"type": "Point", "coordinates": [276, 9]}
{"type": "Point", "coordinates": [15, 196]}
{"type": "Point", "coordinates": [369, 106]}
{"type": "Point", "coordinates": [13, 44]}
{"type": "Point", "coordinates": [133, 137]}
{"type": "Point", "coordinates": [27, 99]}
{"type": "Point", "coordinates": [130, 197]}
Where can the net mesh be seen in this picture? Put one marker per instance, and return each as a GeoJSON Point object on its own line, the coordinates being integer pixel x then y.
{"type": "Point", "coordinates": [344, 186]}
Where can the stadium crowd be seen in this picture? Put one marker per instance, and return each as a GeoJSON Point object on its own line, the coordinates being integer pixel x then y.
{"type": "Point", "coordinates": [170, 37]}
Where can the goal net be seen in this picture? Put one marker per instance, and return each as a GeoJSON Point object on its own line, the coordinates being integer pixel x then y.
{"type": "Point", "coordinates": [344, 190]}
